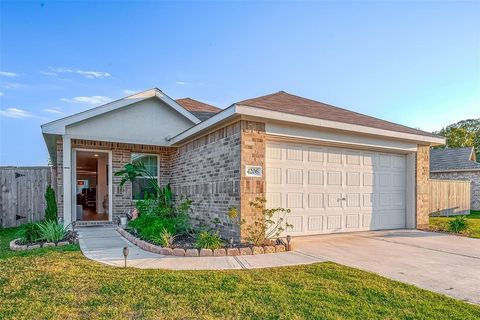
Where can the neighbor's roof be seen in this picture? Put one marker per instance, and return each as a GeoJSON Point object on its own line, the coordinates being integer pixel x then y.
{"type": "Point", "coordinates": [453, 159]}
{"type": "Point", "coordinates": [289, 103]}
{"type": "Point", "coordinates": [199, 109]}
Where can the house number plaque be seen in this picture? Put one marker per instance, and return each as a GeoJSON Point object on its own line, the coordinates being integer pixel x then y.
{"type": "Point", "coordinates": [253, 171]}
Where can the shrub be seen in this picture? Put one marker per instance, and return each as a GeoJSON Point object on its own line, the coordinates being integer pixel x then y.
{"type": "Point", "coordinates": [269, 224]}
{"type": "Point", "coordinates": [52, 231]}
{"type": "Point", "coordinates": [29, 233]}
{"type": "Point", "coordinates": [51, 205]}
{"type": "Point", "coordinates": [165, 239]}
{"type": "Point", "coordinates": [150, 227]}
{"type": "Point", "coordinates": [208, 240]}
{"type": "Point", "coordinates": [458, 224]}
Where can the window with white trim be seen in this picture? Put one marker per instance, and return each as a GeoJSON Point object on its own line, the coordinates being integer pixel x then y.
{"type": "Point", "coordinates": [141, 186]}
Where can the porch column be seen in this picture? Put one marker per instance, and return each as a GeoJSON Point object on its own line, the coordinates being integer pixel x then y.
{"type": "Point", "coordinates": [67, 181]}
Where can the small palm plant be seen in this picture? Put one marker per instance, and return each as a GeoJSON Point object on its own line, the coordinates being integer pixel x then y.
{"type": "Point", "coordinates": [134, 170]}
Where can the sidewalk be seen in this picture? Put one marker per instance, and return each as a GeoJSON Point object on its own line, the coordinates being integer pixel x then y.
{"type": "Point", "coordinates": [105, 245]}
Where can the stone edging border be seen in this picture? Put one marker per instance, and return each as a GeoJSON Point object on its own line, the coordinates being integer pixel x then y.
{"type": "Point", "coordinates": [200, 252]}
{"type": "Point", "coordinates": [22, 247]}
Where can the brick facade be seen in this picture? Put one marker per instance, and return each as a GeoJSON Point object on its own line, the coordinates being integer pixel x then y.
{"type": "Point", "coordinates": [422, 186]}
{"type": "Point", "coordinates": [473, 176]}
{"type": "Point", "coordinates": [207, 170]}
{"type": "Point", "coordinates": [210, 170]}
{"type": "Point", "coordinates": [253, 149]}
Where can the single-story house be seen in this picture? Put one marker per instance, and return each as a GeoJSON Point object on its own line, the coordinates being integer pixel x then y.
{"type": "Point", "coordinates": [337, 170]}
{"type": "Point", "coordinates": [457, 164]}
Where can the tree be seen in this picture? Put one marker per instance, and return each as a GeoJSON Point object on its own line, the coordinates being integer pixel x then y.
{"type": "Point", "coordinates": [465, 133]}
{"type": "Point", "coordinates": [51, 210]}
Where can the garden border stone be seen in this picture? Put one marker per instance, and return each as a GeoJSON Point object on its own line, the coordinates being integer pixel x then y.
{"type": "Point", "coordinates": [181, 252]}
{"type": "Point", "coordinates": [14, 246]}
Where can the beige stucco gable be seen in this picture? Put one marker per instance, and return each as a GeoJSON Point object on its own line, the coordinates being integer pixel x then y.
{"type": "Point", "coordinates": [149, 121]}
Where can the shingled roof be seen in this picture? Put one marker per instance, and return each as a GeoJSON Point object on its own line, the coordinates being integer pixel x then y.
{"type": "Point", "coordinates": [199, 109]}
{"type": "Point", "coordinates": [292, 104]}
{"type": "Point", "coordinates": [453, 159]}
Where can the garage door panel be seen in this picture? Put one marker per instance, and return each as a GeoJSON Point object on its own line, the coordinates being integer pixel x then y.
{"type": "Point", "coordinates": [296, 223]}
{"type": "Point", "coordinates": [352, 221]}
{"type": "Point", "coordinates": [315, 223]}
{"type": "Point", "coordinates": [353, 200]}
{"type": "Point", "coordinates": [294, 153]}
{"type": "Point", "coordinates": [334, 222]}
{"type": "Point", "coordinates": [274, 151]}
{"type": "Point", "coordinates": [315, 177]}
{"type": "Point", "coordinates": [333, 200]}
{"type": "Point", "coordinates": [274, 175]}
{"type": "Point", "coordinates": [316, 154]}
{"type": "Point", "coordinates": [274, 200]}
{"type": "Point", "coordinates": [334, 189]}
{"type": "Point", "coordinates": [353, 158]}
{"type": "Point", "coordinates": [315, 201]}
{"type": "Point", "coordinates": [334, 178]}
{"type": "Point", "coordinates": [294, 176]}
{"type": "Point", "coordinates": [334, 157]}
{"type": "Point", "coordinates": [294, 200]}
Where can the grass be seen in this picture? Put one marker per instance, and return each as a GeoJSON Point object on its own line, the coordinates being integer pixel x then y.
{"type": "Point", "coordinates": [440, 224]}
{"type": "Point", "coordinates": [59, 283]}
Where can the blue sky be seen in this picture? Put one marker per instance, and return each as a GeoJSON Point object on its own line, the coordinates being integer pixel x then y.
{"type": "Point", "coordinates": [415, 63]}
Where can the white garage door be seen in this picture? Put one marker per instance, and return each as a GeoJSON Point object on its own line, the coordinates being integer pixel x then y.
{"type": "Point", "coordinates": [336, 189]}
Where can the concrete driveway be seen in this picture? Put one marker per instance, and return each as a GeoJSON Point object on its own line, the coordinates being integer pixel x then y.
{"type": "Point", "coordinates": [438, 262]}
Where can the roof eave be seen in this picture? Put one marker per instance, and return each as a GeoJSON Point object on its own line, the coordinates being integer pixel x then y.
{"type": "Point", "coordinates": [335, 125]}
{"type": "Point", "coordinates": [58, 126]}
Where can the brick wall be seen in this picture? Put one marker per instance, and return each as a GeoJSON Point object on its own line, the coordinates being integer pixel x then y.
{"type": "Point", "coordinates": [422, 185]}
{"type": "Point", "coordinates": [207, 170]}
{"type": "Point", "coordinates": [473, 176]}
{"type": "Point", "coordinates": [121, 155]}
{"type": "Point", "coordinates": [253, 148]}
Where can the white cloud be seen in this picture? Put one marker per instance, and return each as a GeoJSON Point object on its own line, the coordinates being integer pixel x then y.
{"type": "Point", "coordinates": [53, 110]}
{"type": "Point", "coordinates": [96, 100]}
{"type": "Point", "coordinates": [181, 83]}
{"type": "Point", "coordinates": [8, 74]}
{"type": "Point", "coordinates": [129, 92]}
{"type": "Point", "coordinates": [54, 71]}
{"type": "Point", "coordinates": [12, 85]}
{"type": "Point", "coordinates": [49, 73]}
{"type": "Point", "coordinates": [93, 74]}
{"type": "Point", "coordinates": [16, 113]}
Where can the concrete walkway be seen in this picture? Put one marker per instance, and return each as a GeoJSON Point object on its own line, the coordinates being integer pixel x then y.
{"type": "Point", "coordinates": [105, 245]}
{"type": "Point", "coordinates": [438, 262]}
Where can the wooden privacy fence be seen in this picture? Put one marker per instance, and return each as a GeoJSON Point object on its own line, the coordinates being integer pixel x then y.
{"type": "Point", "coordinates": [449, 197]}
{"type": "Point", "coordinates": [22, 191]}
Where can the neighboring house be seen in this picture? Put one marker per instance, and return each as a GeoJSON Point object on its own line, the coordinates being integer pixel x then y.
{"type": "Point", "coordinates": [457, 164]}
{"type": "Point", "coordinates": [337, 170]}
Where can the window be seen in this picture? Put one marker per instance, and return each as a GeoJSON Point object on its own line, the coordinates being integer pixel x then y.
{"type": "Point", "coordinates": [141, 185]}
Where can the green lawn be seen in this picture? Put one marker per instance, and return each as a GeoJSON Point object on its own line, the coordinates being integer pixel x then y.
{"type": "Point", "coordinates": [440, 224]}
{"type": "Point", "coordinates": [59, 283]}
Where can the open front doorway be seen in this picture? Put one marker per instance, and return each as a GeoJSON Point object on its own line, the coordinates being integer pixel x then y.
{"type": "Point", "coordinates": [92, 186]}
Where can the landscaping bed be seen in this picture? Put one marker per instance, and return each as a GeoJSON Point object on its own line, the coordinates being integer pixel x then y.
{"type": "Point", "coordinates": [469, 228]}
{"type": "Point", "coordinates": [20, 245]}
{"type": "Point", "coordinates": [186, 247]}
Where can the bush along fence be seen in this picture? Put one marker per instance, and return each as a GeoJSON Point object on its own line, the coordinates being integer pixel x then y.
{"type": "Point", "coordinates": [46, 233]}
{"type": "Point", "coordinates": [161, 225]}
